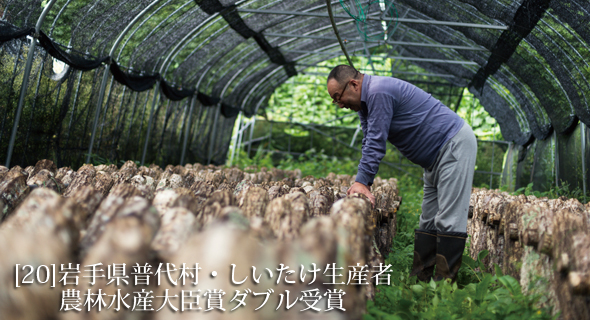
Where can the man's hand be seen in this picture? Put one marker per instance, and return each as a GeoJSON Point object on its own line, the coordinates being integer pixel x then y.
{"type": "Point", "coordinates": [358, 187]}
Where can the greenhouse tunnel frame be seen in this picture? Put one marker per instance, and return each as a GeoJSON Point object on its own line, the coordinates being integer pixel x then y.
{"type": "Point", "coordinates": [269, 70]}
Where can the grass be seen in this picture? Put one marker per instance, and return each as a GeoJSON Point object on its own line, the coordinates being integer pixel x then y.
{"type": "Point", "coordinates": [475, 295]}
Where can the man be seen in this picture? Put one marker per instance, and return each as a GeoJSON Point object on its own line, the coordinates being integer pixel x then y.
{"type": "Point", "coordinates": [429, 134]}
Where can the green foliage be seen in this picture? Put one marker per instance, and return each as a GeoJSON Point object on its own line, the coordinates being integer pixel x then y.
{"type": "Point", "coordinates": [96, 160]}
{"type": "Point", "coordinates": [311, 163]}
{"type": "Point", "coordinates": [486, 151]}
{"type": "Point", "coordinates": [475, 295]}
{"type": "Point", "coordinates": [304, 99]}
{"type": "Point", "coordinates": [563, 190]}
{"type": "Point", "coordinates": [493, 297]}
{"type": "Point", "coordinates": [472, 111]}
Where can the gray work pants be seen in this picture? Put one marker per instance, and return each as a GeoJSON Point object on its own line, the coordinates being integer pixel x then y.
{"type": "Point", "coordinates": [447, 184]}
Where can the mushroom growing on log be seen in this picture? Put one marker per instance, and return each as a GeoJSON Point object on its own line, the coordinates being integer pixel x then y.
{"type": "Point", "coordinates": [13, 189]}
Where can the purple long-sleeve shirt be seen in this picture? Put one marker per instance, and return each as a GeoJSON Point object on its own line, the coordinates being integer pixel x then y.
{"type": "Point", "coordinates": [411, 119]}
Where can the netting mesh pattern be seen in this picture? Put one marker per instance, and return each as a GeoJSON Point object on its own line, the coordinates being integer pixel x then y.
{"type": "Point", "coordinates": [215, 57]}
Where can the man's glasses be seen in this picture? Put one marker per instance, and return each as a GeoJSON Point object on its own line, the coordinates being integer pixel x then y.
{"type": "Point", "coordinates": [337, 101]}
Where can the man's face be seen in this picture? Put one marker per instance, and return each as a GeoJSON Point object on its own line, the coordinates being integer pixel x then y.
{"type": "Point", "coordinates": [345, 95]}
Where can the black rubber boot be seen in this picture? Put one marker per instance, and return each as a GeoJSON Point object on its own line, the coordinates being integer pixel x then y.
{"type": "Point", "coordinates": [424, 254]}
{"type": "Point", "coordinates": [449, 253]}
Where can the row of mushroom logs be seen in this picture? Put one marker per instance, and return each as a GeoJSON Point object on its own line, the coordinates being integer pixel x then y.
{"type": "Point", "coordinates": [545, 243]}
{"type": "Point", "coordinates": [105, 242]}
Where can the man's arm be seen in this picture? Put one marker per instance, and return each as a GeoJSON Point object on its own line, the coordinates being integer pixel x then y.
{"type": "Point", "coordinates": [375, 130]}
{"type": "Point", "coordinates": [359, 187]}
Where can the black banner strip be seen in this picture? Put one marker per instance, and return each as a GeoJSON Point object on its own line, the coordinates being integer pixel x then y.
{"type": "Point", "coordinates": [525, 19]}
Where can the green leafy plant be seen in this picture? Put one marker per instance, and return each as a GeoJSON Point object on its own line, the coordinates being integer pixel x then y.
{"type": "Point", "coordinates": [563, 190]}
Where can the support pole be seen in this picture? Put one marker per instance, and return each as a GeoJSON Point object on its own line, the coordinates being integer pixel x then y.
{"type": "Point", "coordinates": [187, 130]}
{"type": "Point", "coordinates": [25, 83]}
{"type": "Point", "coordinates": [35, 102]}
{"type": "Point", "coordinates": [493, 147]}
{"type": "Point", "coordinates": [241, 137]}
{"type": "Point", "coordinates": [132, 117]}
{"type": "Point", "coordinates": [74, 106]}
{"type": "Point", "coordinates": [149, 126]}
{"type": "Point", "coordinates": [117, 134]}
{"type": "Point", "coordinates": [212, 132]}
{"type": "Point", "coordinates": [329, 6]}
{"type": "Point", "coordinates": [106, 74]}
{"type": "Point", "coordinates": [103, 87]}
{"type": "Point", "coordinates": [584, 175]}
{"type": "Point", "coordinates": [251, 134]}
{"type": "Point", "coordinates": [235, 139]}
{"type": "Point", "coordinates": [106, 110]}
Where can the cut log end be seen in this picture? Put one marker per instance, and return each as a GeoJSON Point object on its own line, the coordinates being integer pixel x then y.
{"type": "Point", "coordinates": [513, 231]}
{"type": "Point", "coordinates": [580, 283]}
{"type": "Point", "coordinates": [563, 263]}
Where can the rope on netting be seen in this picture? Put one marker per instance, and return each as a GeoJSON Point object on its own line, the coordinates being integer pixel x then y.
{"type": "Point", "coordinates": [366, 27]}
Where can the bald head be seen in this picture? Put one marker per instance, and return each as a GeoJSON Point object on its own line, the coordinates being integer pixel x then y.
{"type": "Point", "coordinates": [345, 87]}
{"type": "Point", "coordinates": [343, 73]}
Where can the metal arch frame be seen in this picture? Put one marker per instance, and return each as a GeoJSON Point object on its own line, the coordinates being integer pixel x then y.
{"type": "Point", "coordinates": [350, 20]}
{"type": "Point", "coordinates": [526, 90]}
{"type": "Point", "coordinates": [451, 33]}
{"type": "Point", "coordinates": [141, 25]}
{"type": "Point", "coordinates": [214, 35]}
{"type": "Point", "coordinates": [400, 20]}
{"type": "Point", "coordinates": [190, 36]}
{"type": "Point", "coordinates": [151, 33]}
{"type": "Point", "coordinates": [217, 59]}
{"type": "Point", "coordinates": [57, 17]}
{"type": "Point", "coordinates": [390, 42]}
{"type": "Point", "coordinates": [118, 40]}
{"type": "Point", "coordinates": [80, 22]}
{"type": "Point", "coordinates": [512, 102]}
{"type": "Point", "coordinates": [568, 57]}
{"type": "Point", "coordinates": [247, 97]}
{"type": "Point", "coordinates": [309, 9]}
{"type": "Point", "coordinates": [186, 38]}
{"type": "Point", "coordinates": [177, 24]}
{"type": "Point", "coordinates": [106, 74]}
{"type": "Point", "coordinates": [317, 7]}
{"type": "Point", "coordinates": [462, 62]}
{"type": "Point", "coordinates": [313, 8]}
{"type": "Point", "coordinates": [104, 42]}
{"type": "Point", "coordinates": [25, 83]}
{"type": "Point", "coordinates": [327, 27]}
{"type": "Point", "coordinates": [344, 22]}
{"type": "Point", "coordinates": [334, 54]}
{"type": "Point", "coordinates": [572, 110]}
{"type": "Point", "coordinates": [216, 119]}
{"type": "Point", "coordinates": [440, 75]}
{"type": "Point", "coordinates": [228, 61]}
{"type": "Point", "coordinates": [191, 110]}
{"type": "Point", "coordinates": [258, 66]}
{"type": "Point", "coordinates": [187, 130]}
{"type": "Point", "coordinates": [194, 50]}
{"type": "Point", "coordinates": [568, 42]}
{"type": "Point", "coordinates": [228, 71]}
{"type": "Point", "coordinates": [570, 31]}
{"type": "Point", "coordinates": [274, 71]}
